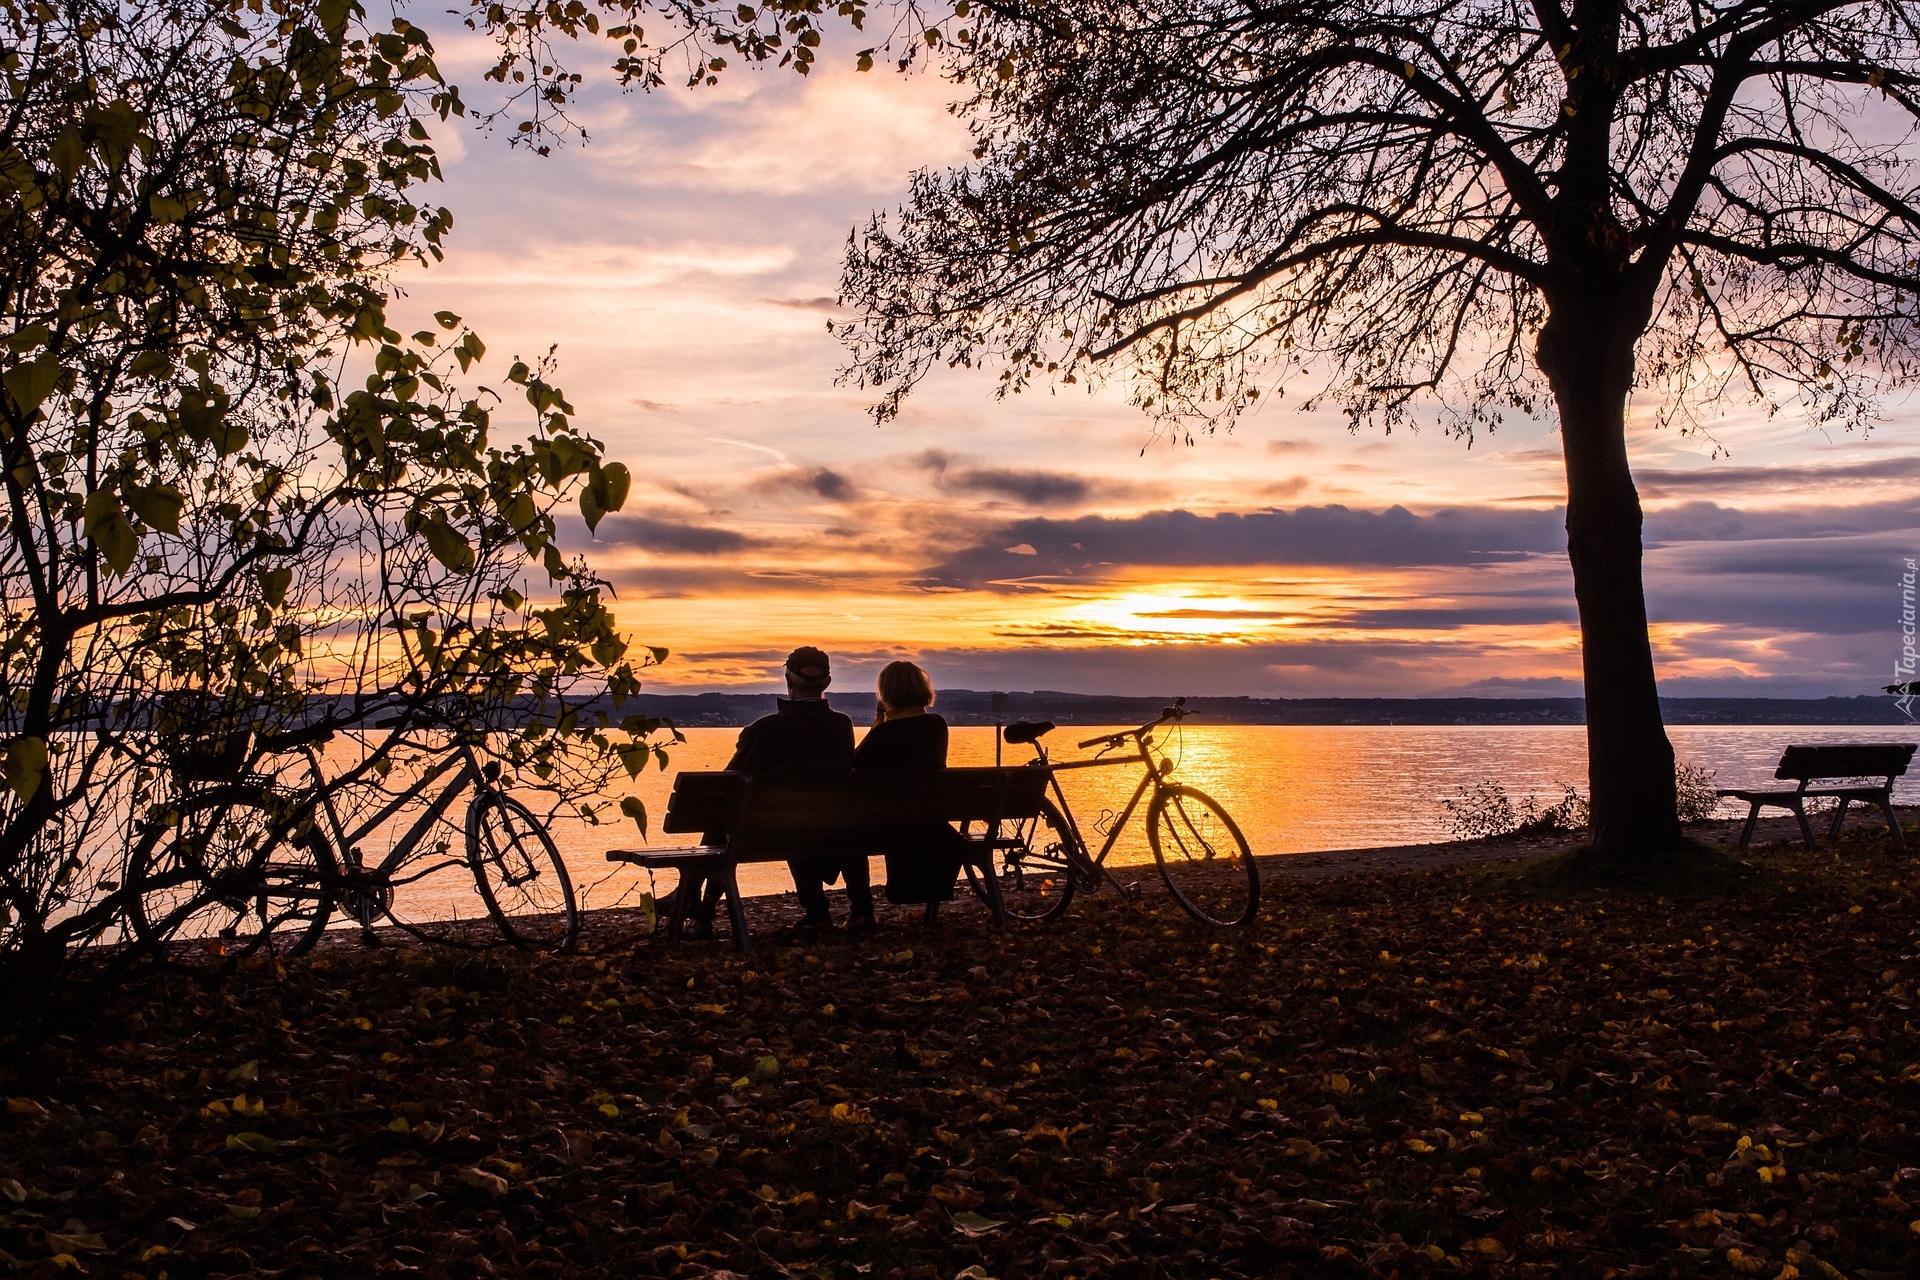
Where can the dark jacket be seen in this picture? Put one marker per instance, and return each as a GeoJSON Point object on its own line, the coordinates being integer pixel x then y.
{"type": "Point", "coordinates": [912, 742]}
{"type": "Point", "coordinates": [801, 737]}
{"type": "Point", "coordinates": [924, 859]}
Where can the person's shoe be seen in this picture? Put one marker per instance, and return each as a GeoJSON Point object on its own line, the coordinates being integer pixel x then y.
{"type": "Point", "coordinates": [861, 924]}
{"type": "Point", "coordinates": [700, 930]}
{"type": "Point", "coordinates": [814, 924]}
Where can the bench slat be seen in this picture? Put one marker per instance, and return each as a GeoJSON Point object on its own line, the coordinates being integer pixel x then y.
{"type": "Point", "coordinates": [686, 855]}
{"type": "Point", "coordinates": [807, 804]}
{"type": "Point", "coordinates": [1846, 760]}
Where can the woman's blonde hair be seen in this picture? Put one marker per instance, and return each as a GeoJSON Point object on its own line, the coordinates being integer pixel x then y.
{"type": "Point", "coordinates": [902, 684]}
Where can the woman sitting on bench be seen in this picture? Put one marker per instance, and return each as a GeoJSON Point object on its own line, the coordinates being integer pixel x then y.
{"type": "Point", "coordinates": [922, 860]}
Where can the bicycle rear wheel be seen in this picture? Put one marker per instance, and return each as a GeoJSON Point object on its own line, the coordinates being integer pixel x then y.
{"type": "Point", "coordinates": [1203, 857]}
{"type": "Point", "coordinates": [1034, 864]}
{"type": "Point", "coordinates": [219, 878]}
{"type": "Point", "coordinates": [520, 875]}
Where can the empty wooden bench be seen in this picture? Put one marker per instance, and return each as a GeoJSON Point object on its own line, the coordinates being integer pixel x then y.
{"type": "Point", "coordinates": [1850, 762]}
{"type": "Point", "coordinates": [797, 816]}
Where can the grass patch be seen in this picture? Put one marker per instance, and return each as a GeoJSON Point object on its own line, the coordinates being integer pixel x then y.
{"type": "Point", "coordinates": [1692, 870]}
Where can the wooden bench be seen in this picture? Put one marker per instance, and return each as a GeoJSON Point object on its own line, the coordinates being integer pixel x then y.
{"type": "Point", "coordinates": [1850, 762]}
{"type": "Point", "coordinates": [835, 815]}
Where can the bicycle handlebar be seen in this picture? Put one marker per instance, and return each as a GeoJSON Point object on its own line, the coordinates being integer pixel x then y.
{"type": "Point", "coordinates": [1178, 711]}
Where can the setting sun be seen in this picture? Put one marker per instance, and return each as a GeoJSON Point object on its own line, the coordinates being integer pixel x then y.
{"type": "Point", "coordinates": [1159, 617]}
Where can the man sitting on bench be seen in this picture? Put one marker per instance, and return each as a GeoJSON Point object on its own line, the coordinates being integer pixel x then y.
{"type": "Point", "coordinates": [804, 735]}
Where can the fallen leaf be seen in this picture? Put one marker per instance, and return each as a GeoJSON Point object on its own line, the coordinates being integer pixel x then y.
{"type": "Point", "coordinates": [251, 1141]}
{"type": "Point", "coordinates": [88, 1242]}
{"type": "Point", "coordinates": [491, 1183]}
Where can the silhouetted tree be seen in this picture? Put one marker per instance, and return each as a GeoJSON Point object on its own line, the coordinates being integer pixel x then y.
{"type": "Point", "coordinates": [232, 496]}
{"type": "Point", "coordinates": [1461, 208]}
{"type": "Point", "coordinates": [1478, 206]}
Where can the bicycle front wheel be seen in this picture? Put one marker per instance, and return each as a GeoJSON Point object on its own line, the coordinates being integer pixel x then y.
{"type": "Point", "coordinates": [1034, 864]}
{"type": "Point", "coordinates": [218, 878]}
{"type": "Point", "coordinates": [520, 875]}
{"type": "Point", "coordinates": [1203, 857]}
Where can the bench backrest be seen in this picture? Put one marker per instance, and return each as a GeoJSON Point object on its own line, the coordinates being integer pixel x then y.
{"type": "Point", "coordinates": [800, 812]}
{"type": "Point", "coordinates": [1846, 760]}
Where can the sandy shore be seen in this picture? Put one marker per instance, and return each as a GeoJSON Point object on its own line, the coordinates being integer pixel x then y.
{"type": "Point", "coordinates": [771, 915]}
{"type": "Point", "coordinates": [768, 916]}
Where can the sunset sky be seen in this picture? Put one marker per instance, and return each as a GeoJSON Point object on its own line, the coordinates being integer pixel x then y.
{"type": "Point", "coordinates": [685, 262]}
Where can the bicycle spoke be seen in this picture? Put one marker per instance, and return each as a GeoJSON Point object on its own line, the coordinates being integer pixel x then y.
{"type": "Point", "coordinates": [1035, 866]}
{"type": "Point", "coordinates": [520, 875]}
{"type": "Point", "coordinates": [205, 889]}
{"type": "Point", "coordinates": [1203, 857]}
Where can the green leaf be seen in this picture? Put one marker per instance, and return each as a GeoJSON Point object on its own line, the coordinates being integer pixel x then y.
{"type": "Point", "coordinates": [448, 546]}
{"type": "Point", "coordinates": [164, 209]}
{"type": "Point", "coordinates": [609, 649]}
{"type": "Point", "coordinates": [333, 16]}
{"type": "Point", "coordinates": [26, 765]}
{"type": "Point", "coordinates": [274, 584]}
{"type": "Point", "coordinates": [159, 506]}
{"type": "Point", "coordinates": [67, 152]}
{"type": "Point", "coordinates": [31, 383]}
{"type": "Point", "coordinates": [103, 520]}
{"type": "Point", "coordinates": [610, 485]}
{"type": "Point", "coordinates": [636, 808]}
{"type": "Point", "coordinates": [446, 319]}
{"type": "Point", "coordinates": [974, 1224]}
{"type": "Point", "coordinates": [225, 434]}
{"type": "Point", "coordinates": [606, 491]}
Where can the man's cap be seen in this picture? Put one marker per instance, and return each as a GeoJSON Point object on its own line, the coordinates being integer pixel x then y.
{"type": "Point", "coordinates": [809, 663]}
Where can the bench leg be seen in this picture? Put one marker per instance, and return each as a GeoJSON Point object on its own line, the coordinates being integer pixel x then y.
{"type": "Point", "coordinates": [1806, 828]}
{"type": "Point", "coordinates": [677, 918]}
{"type": "Point", "coordinates": [1746, 832]}
{"type": "Point", "coordinates": [996, 904]}
{"type": "Point", "coordinates": [1839, 816]}
{"type": "Point", "coordinates": [1893, 823]}
{"type": "Point", "coordinates": [933, 915]}
{"type": "Point", "coordinates": [736, 913]}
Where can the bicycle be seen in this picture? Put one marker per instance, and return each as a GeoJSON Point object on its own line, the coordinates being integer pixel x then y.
{"type": "Point", "coordinates": [242, 858]}
{"type": "Point", "coordinates": [1198, 847]}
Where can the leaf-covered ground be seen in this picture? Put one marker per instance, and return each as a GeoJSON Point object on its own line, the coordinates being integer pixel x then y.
{"type": "Point", "coordinates": [1430, 1073]}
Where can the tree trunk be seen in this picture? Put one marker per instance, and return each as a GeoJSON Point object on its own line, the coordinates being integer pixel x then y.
{"type": "Point", "coordinates": [1629, 760]}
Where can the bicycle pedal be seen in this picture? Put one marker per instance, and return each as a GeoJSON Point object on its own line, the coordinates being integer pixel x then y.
{"type": "Point", "coordinates": [1131, 891]}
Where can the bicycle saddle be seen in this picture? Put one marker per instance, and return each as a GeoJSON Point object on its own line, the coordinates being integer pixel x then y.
{"type": "Point", "coordinates": [1027, 731]}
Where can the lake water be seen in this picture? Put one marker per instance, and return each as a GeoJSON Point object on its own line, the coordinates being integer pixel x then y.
{"type": "Point", "coordinates": [1292, 788]}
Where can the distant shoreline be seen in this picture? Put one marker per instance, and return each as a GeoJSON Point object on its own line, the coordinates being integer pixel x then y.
{"type": "Point", "coordinates": [974, 707]}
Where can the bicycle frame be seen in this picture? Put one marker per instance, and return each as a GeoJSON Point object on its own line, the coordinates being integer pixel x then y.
{"type": "Point", "coordinates": [1154, 781]}
{"type": "Point", "coordinates": [469, 774]}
